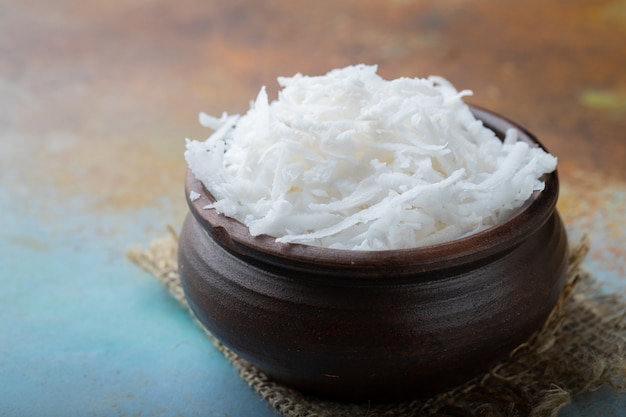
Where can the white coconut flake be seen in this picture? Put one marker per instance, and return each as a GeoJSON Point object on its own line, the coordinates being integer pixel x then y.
{"type": "Point", "coordinates": [193, 196]}
{"type": "Point", "coordinates": [349, 160]}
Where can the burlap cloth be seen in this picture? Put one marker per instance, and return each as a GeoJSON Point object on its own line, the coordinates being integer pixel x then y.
{"type": "Point", "coordinates": [580, 348]}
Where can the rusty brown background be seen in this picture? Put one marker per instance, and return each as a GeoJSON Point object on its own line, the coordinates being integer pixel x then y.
{"type": "Point", "coordinates": [102, 94]}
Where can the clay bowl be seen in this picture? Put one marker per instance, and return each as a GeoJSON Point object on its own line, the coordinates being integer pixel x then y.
{"type": "Point", "coordinates": [380, 326]}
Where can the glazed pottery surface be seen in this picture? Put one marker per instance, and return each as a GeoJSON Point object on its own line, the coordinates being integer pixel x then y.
{"type": "Point", "coordinates": [375, 325]}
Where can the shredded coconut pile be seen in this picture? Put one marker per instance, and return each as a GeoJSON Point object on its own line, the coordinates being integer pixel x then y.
{"type": "Point", "coordinates": [349, 160]}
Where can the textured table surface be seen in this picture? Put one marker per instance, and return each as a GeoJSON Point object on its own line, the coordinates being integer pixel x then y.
{"type": "Point", "coordinates": [96, 99]}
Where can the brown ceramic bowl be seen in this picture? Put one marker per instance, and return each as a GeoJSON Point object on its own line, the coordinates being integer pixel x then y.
{"type": "Point", "coordinates": [375, 325]}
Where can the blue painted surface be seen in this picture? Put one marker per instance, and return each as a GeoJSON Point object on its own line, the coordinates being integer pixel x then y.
{"type": "Point", "coordinates": [86, 333]}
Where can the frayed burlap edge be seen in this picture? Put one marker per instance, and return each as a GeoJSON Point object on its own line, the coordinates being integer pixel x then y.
{"type": "Point", "coordinates": [579, 349]}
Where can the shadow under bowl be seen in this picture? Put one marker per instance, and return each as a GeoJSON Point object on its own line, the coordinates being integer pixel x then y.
{"type": "Point", "coordinates": [375, 325]}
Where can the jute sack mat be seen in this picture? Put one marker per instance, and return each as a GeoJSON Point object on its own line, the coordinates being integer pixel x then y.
{"type": "Point", "coordinates": [579, 349]}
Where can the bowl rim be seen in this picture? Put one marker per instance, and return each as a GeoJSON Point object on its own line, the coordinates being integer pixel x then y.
{"type": "Point", "coordinates": [534, 213]}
